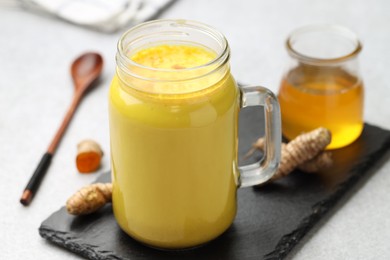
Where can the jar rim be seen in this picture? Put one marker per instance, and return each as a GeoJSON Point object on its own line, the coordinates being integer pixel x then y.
{"type": "Point", "coordinates": [221, 58]}
{"type": "Point", "coordinates": [338, 29]}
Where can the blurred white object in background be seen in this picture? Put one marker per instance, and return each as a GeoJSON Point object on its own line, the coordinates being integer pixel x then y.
{"type": "Point", "coordinates": [102, 15]}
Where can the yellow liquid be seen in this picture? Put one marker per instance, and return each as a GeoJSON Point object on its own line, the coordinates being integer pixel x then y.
{"type": "Point", "coordinates": [174, 156]}
{"type": "Point", "coordinates": [332, 98]}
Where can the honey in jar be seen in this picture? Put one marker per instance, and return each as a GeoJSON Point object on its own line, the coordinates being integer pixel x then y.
{"type": "Point", "coordinates": [323, 87]}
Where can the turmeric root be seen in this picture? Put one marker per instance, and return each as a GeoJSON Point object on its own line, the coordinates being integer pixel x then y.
{"type": "Point", "coordinates": [89, 155]}
{"type": "Point", "coordinates": [322, 161]}
{"type": "Point", "coordinates": [304, 152]}
{"type": "Point", "coordinates": [89, 199]}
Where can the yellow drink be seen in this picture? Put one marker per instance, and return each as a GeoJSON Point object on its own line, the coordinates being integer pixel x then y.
{"type": "Point", "coordinates": [174, 152]}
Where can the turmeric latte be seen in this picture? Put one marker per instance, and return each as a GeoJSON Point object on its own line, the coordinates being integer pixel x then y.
{"type": "Point", "coordinates": [168, 190]}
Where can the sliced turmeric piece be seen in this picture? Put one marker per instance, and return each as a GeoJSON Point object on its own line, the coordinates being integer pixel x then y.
{"type": "Point", "coordinates": [89, 155]}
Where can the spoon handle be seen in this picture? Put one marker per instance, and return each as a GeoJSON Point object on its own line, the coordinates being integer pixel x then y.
{"type": "Point", "coordinates": [43, 165]}
{"type": "Point", "coordinates": [65, 122]}
{"type": "Point", "coordinates": [36, 179]}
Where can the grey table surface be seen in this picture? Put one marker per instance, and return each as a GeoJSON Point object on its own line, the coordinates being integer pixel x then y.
{"type": "Point", "coordinates": [35, 90]}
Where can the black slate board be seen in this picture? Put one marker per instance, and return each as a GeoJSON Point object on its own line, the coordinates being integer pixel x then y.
{"type": "Point", "coordinates": [271, 220]}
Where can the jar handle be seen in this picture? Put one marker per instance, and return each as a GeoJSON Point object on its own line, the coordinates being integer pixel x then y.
{"type": "Point", "coordinates": [264, 169]}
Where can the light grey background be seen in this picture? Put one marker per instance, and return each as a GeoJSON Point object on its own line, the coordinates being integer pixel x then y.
{"type": "Point", "coordinates": [35, 90]}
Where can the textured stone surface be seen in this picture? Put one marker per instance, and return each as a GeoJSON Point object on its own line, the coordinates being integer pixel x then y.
{"type": "Point", "coordinates": [271, 220]}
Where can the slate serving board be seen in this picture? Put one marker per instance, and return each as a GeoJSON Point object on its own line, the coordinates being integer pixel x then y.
{"type": "Point", "coordinates": [270, 222]}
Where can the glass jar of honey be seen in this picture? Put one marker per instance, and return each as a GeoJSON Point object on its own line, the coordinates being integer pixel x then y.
{"type": "Point", "coordinates": [322, 85]}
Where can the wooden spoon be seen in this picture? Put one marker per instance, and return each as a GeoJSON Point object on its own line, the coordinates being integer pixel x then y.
{"type": "Point", "coordinates": [85, 70]}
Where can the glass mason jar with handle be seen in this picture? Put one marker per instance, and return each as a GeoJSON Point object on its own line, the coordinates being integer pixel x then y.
{"type": "Point", "coordinates": [173, 112]}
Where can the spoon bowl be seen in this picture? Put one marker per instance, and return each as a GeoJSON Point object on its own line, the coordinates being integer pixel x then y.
{"type": "Point", "coordinates": [85, 70]}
